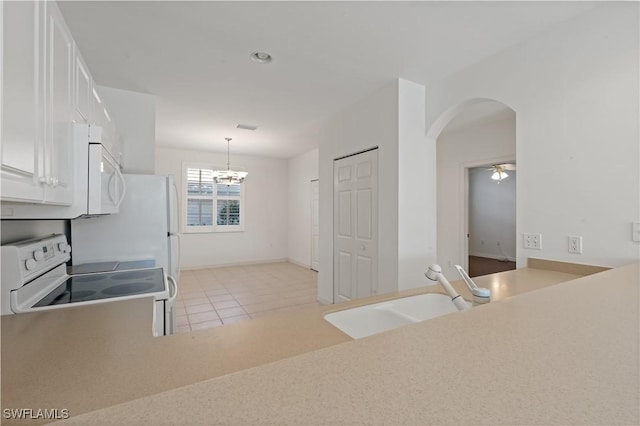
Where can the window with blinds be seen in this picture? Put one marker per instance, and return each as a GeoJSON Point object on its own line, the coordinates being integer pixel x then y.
{"type": "Point", "coordinates": [211, 207]}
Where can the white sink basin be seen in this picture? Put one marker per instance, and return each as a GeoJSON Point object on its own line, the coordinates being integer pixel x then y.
{"type": "Point", "coordinates": [372, 319]}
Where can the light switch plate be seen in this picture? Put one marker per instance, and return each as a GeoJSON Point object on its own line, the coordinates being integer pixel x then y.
{"type": "Point", "coordinates": [636, 232]}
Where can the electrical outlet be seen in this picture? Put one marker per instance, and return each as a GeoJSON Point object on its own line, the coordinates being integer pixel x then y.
{"type": "Point", "coordinates": [575, 244]}
{"type": "Point", "coordinates": [532, 241]}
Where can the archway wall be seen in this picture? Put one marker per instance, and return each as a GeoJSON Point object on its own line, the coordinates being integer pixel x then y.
{"type": "Point", "coordinates": [483, 143]}
{"type": "Point", "coordinates": [575, 92]}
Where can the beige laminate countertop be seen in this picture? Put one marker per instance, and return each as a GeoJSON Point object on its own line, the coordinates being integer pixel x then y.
{"type": "Point", "coordinates": [85, 359]}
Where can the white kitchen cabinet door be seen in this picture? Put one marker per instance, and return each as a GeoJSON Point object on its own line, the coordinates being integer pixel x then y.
{"type": "Point", "coordinates": [59, 116]}
{"type": "Point", "coordinates": [83, 87]}
{"type": "Point", "coordinates": [117, 146]}
{"type": "Point", "coordinates": [101, 117]}
{"type": "Point", "coordinates": [22, 101]}
{"type": "Point", "coordinates": [108, 131]}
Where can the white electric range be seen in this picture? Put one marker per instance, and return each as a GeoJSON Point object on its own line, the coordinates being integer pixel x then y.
{"type": "Point", "coordinates": [34, 278]}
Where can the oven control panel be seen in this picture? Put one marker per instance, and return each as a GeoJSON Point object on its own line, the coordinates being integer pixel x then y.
{"type": "Point", "coordinates": [25, 260]}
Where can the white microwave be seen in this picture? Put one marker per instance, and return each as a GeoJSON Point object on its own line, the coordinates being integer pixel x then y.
{"type": "Point", "coordinates": [99, 186]}
{"type": "Point", "coordinates": [106, 185]}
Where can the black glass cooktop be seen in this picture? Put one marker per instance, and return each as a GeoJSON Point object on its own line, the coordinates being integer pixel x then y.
{"type": "Point", "coordinates": [84, 288]}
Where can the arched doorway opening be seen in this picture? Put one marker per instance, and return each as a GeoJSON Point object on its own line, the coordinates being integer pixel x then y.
{"type": "Point", "coordinates": [476, 187]}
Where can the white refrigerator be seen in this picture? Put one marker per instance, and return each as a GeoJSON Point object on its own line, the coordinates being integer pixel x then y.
{"type": "Point", "coordinates": [145, 229]}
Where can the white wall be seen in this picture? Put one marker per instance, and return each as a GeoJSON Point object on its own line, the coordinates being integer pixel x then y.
{"type": "Point", "coordinates": [16, 230]}
{"type": "Point", "coordinates": [575, 90]}
{"type": "Point", "coordinates": [492, 215]}
{"type": "Point", "coordinates": [135, 117]}
{"type": "Point", "coordinates": [416, 189]}
{"type": "Point", "coordinates": [480, 144]}
{"type": "Point", "coordinates": [264, 236]}
{"type": "Point", "coordinates": [373, 121]}
{"type": "Point", "coordinates": [392, 119]}
{"type": "Point", "coordinates": [302, 169]}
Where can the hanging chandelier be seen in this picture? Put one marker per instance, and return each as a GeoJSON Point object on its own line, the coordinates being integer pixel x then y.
{"type": "Point", "coordinates": [228, 177]}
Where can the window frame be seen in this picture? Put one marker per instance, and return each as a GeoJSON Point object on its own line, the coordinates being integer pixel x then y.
{"type": "Point", "coordinates": [214, 228]}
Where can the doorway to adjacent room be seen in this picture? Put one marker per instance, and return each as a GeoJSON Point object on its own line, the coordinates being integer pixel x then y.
{"type": "Point", "coordinates": [491, 223]}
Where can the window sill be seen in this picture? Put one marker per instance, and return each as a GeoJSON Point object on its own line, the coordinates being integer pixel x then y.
{"type": "Point", "coordinates": [209, 230]}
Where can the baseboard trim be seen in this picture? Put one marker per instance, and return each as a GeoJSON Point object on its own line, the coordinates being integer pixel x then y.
{"type": "Point", "coordinates": [324, 302]}
{"type": "Point", "coordinates": [222, 265]}
{"type": "Point", "coordinates": [493, 256]}
{"type": "Point", "coordinates": [295, 262]}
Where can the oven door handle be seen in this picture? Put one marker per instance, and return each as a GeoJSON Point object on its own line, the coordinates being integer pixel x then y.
{"type": "Point", "coordinates": [175, 289]}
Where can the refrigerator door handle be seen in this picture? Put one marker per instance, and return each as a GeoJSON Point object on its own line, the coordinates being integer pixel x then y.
{"type": "Point", "coordinates": [177, 206]}
{"type": "Point", "coordinates": [170, 308]}
{"type": "Point", "coordinates": [172, 299]}
{"type": "Point", "coordinates": [178, 252]}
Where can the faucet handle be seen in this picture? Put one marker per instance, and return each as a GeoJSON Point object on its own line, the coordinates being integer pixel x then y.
{"type": "Point", "coordinates": [480, 295]}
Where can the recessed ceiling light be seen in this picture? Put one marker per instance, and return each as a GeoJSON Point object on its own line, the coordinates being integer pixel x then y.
{"type": "Point", "coordinates": [246, 126]}
{"type": "Point", "coordinates": [261, 57]}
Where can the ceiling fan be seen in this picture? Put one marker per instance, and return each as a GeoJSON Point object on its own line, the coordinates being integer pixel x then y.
{"type": "Point", "coordinates": [500, 171]}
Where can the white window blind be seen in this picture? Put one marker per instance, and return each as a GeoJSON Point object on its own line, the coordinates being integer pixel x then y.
{"type": "Point", "coordinates": [202, 194]}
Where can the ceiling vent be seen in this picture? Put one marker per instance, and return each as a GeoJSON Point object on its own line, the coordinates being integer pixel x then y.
{"type": "Point", "coordinates": [246, 127]}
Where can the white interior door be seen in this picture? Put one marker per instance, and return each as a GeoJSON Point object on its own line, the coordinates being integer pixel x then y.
{"type": "Point", "coordinates": [355, 224]}
{"type": "Point", "coordinates": [315, 224]}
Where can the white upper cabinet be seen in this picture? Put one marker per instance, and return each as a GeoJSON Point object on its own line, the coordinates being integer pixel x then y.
{"type": "Point", "coordinates": [37, 90]}
{"type": "Point", "coordinates": [117, 146]}
{"type": "Point", "coordinates": [46, 87]}
{"type": "Point", "coordinates": [59, 116]}
{"type": "Point", "coordinates": [22, 101]}
{"type": "Point", "coordinates": [111, 139]}
{"type": "Point", "coordinates": [100, 117]}
{"type": "Point", "coordinates": [83, 90]}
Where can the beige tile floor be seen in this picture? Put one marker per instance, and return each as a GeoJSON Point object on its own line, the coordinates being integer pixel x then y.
{"type": "Point", "coordinates": [224, 295]}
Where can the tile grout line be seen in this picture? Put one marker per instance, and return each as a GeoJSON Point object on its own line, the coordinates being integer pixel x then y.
{"type": "Point", "coordinates": [248, 283]}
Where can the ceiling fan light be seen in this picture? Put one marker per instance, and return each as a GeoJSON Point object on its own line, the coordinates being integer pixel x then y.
{"type": "Point", "coordinates": [499, 175]}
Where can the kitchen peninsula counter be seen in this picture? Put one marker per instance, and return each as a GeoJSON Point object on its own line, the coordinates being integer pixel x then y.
{"type": "Point", "coordinates": [87, 359]}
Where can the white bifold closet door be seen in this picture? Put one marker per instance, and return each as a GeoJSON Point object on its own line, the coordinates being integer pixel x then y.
{"type": "Point", "coordinates": [355, 225]}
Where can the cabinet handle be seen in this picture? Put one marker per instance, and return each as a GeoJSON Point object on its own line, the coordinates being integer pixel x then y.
{"type": "Point", "coordinates": [54, 182]}
{"type": "Point", "coordinates": [48, 180]}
